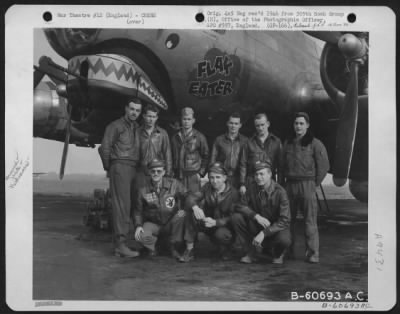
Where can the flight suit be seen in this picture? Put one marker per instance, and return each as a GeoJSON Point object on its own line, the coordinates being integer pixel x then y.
{"type": "Point", "coordinates": [190, 158]}
{"type": "Point", "coordinates": [229, 152]}
{"type": "Point", "coordinates": [304, 168]}
{"type": "Point", "coordinates": [155, 209]}
{"type": "Point", "coordinates": [155, 145]}
{"type": "Point", "coordinates": [257, 151]}
{"type": "Point", "coordinates": [119, 152]}
{"type": "Point", "coordinates": [217, 206]}
{"type": "Point", "coordinates": [271, 203]}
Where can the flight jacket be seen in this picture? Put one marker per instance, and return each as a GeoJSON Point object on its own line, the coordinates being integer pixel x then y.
{"type": "Point", "coordinates": [120, 143]}
{"type": "Point", "coordinates": [304, 161]}
{"type": "Point", "coordinates": [219, 207]}
{"type": "Point", "coordinates": [155, 145]}
{"type": "Point", "coordinates": [228, 152]}
{"type": "Point", "coordinates": [150, 206]}
{"type": "Point", "coordinates": [257, 151]}
{"type": "Point", "coordinates": [190, 154]}
{"type": "Point", "coordinates": [276, 209]}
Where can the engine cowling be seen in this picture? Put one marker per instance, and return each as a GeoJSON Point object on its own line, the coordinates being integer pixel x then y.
{"type": "Point", "coordinates": [50, 114]}
{"type": "Point", "coordinates": [335, 74]}
{"type": "Point", "coordinates": [50, 111]}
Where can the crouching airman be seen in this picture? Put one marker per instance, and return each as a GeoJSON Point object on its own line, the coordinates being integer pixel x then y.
{"type": "Point", "coordinates": [210, 211]}
{"type": "Point", "coordinates": [158, 210]}
{"type": "Point", "coordinates": [263, 216]}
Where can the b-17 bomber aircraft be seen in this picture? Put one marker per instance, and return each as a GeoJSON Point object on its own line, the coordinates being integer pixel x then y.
{"type": "Point", "coordinates": [216, 72]}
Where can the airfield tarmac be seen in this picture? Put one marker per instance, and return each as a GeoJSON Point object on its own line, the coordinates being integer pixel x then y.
{"type": "Point", "coordinates": [72, 262]}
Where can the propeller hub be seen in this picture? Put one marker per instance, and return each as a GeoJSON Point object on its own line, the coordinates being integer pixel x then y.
{"type": "Point", "coordinates": [62, 90]}
{"type": "Point", "coordinates": [352, 47]}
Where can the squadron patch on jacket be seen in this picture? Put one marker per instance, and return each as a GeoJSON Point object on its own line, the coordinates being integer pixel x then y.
{"type": "Point", "coordinates": [170, 202]}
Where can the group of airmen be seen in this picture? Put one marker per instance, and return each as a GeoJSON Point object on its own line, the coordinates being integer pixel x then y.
{"type": "Point", "coordinates": [155, 182]}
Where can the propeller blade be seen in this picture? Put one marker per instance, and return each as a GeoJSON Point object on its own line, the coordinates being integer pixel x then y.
{"type": "Point", "coordinates": [37, 77]}
{"type": "Point", "coordinates": [346, 131]}
{"type": "Point", "coordinates": [55, 72]}
{"type": "Point", "coordinates": [66, 143]}
{"type": "Point", "coordinates": [329, 37]}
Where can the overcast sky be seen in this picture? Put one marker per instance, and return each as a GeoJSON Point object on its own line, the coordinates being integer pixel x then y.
{"type": "Point", "coordinates": [46, 153]}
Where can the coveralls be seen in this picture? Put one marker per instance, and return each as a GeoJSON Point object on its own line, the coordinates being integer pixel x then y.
{"type": "Point", "coordinates": [190, 158]}
{"type": "Point", "coordinates": [304, 168]}
{"type": "Point", "coordinates": [119, 152]}
{"type": "Point", "coordinates": [155, 209]}
{"type": "Point", "coordinates": [229, 152]}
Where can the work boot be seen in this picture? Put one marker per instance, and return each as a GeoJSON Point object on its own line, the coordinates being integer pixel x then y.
{"type": "Point", "coordinates": [123, 251]}
{"type": "Point", "coordinates": [246, 259]}
{"type": "Point", "coordinates": [311, 258]}
{"type": "Point", "coordinates": [225, 253]}
{"type": "Point", "coordinates": [187, 256]}
{"type": "Point", "coordinates": [278, 259]}
{"type": "Point", "coordinates": [250, 257]}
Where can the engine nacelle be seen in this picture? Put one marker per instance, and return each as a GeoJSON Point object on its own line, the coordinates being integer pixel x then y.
{"type": "Point", "coordinates": [359, 189]}
{"type": "Point", "coordinates": [49, 111]}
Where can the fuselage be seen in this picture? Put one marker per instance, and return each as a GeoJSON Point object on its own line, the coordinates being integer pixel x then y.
{"type": "Point", "coordinates": [216, 72]}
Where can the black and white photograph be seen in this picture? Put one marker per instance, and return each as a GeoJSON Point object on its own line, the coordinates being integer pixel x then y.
{"type": "Point", "coordinates": [226, 163]}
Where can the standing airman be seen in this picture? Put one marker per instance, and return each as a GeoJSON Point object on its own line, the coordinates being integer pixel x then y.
{"type": "Point", "coordinates": [305, 164]}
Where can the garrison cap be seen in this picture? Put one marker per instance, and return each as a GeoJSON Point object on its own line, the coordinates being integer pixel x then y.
{"type": "Point", "coordinates": [156, 163]}
{"type": "Point", "coordinates": [187, 111]}
{"type": "Point", "coordinates": [258, 165]}
{"type": "Point", "coordinates": [217, 167]}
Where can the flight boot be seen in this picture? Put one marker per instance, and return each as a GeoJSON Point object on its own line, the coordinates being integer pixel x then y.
{"type": "Point", "coordinates": [311, 258]}
{"type": "Point", "coordinates": [250, 257]}
{"type": "Point", "coordinates": [277, 259]}
{"type": "Point", "coordinates": [187, 256]}
{"type": "Point", "coordinates": [123, 251]}
{"type": "Point", "coordinates": [225, 252]}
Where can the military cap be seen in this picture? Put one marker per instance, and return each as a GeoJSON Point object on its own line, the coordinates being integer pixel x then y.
{"type": "Point", "coordinates": [217, 167]}
{"type": "Point", "coordinates": [258, 165]}
{"type": "Point", "coordinates": [187, 111]}
{"type": "Point", "coordinates": [156, 163]}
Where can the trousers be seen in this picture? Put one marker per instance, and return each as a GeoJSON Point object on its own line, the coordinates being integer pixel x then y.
{"type": "Point", "coordinates": [246, 229]}
{"type": "Point", "coordinates": [222, 235]}
{"type": "Point", "coordinates": [173, 229]}
{"type": "Point", "coordinates": [122, 177]}
{"type": "Point", "coordinates": [302, 197]}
